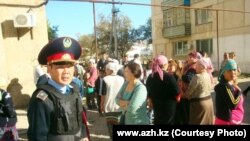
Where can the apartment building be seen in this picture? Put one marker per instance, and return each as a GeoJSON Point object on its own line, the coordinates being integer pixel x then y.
{"type": "Point", "coordinates": [23, 32]}
{"type": "Point", "coordinates": [214, 26]}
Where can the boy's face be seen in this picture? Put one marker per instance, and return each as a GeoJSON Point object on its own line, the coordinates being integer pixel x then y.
{"type": "Point", "coordinates": [62, 73]}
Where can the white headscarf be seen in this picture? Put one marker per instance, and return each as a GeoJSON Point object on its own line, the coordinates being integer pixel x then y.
{"type": "Point", "coordinates": [92, 61]}
{"type": "Point", "coordinates": [113, 65]}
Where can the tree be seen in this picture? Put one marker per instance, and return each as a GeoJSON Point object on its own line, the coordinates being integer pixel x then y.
{"type": "Point", "coordinates": [135, 35]}
{"type": "Point", "coordinates": [148, 31]}
{"type": "Point", "coordinates": [52, 31]}
{"type": "Point", "coordinates": [142, 33]}
{"type": "Point", "coordinates": [123, 27]}
{"type": "Point", "coordinates": [87, 43]}
{"type": "Point", "coordinates": [104, 33]}
{"type": "Point", "coordinates": [125, 35]}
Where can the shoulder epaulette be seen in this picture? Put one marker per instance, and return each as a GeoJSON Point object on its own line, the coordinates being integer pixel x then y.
{"type": "Point", "coordinates": [42, 95]}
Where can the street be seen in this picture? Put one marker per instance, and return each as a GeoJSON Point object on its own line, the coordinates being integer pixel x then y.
{"type": "Point", "coordinates": [97, 124]}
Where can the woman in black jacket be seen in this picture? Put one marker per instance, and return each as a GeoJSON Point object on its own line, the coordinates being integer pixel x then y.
{"type": "Point", "coordinates": [228, 98]}
{"type": "Point", "coordinates": [8, 118]}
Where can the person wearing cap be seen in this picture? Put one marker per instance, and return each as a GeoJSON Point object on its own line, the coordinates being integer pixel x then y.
{"type": "Point", "coordinates": [162, 92]}
{"type": "Point", "coordinates": [199, 95]}
{"type": "Point", "coordinates": [228, 97]}
{"type": "Point", "coordinates": [111, 85]}
{"type": "Point", "coordinates": [55, 109]}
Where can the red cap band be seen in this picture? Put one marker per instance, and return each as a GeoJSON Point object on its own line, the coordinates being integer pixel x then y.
{"type": "Point", "coordinates": [62, 56]}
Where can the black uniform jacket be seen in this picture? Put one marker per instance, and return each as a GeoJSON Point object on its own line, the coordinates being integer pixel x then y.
{"type": "Point", "coordinates": [40, 116]}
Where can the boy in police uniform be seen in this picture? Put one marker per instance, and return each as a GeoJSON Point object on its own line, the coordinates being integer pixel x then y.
{"type": "Point", "coordinates": [55, 109]}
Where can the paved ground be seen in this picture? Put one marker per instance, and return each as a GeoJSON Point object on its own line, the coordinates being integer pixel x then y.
{"type": "Point", "coordinates": [98, 127]}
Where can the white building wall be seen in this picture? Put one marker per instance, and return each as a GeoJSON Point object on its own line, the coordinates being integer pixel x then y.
{"type": "Point", "coordinates": [240, 44]}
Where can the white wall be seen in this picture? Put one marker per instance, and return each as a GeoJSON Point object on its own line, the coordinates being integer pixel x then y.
{"type": "Point", "coordinates": [240, 44]}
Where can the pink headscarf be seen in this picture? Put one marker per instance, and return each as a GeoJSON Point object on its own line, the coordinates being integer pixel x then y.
{"type": "Point", "coordinates": [195, 55]}
{"type": "Point", "coordinates": [157, 62]}
{"type": "Point", "coordinates": [203, 62]}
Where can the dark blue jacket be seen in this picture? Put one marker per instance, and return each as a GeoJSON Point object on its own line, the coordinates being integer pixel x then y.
{"type": "Point", "coordinates": [224, 99]}
{"type": "Point", "coordinates": [7, 111]}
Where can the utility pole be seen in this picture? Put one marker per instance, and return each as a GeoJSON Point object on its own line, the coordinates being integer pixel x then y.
{"type": "Point", "coordinates": [114, 32]}
{"type": "Point", "coordinates": [96, 46]}
{"type": "Point", "coordinates": [217, 36]}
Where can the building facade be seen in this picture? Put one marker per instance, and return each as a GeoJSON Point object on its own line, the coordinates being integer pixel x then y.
{"type": "Point", "coordinates": [23, 33]}
{"type": "Point", "coordinates": [178, 31]}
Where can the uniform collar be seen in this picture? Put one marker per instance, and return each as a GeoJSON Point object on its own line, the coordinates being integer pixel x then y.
{"type": "Point", "coordinates": [59, 87]}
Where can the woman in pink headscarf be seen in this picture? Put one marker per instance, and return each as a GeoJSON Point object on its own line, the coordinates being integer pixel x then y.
{"type": "Point", "coordinates": [199, 95]}
{"type": "Point", "coordinates": [162, 91]}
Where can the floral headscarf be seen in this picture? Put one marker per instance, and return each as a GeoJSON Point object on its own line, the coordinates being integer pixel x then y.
{"type": "Point", "coordinates": [203, 62]}
{"type": "Point", "coordinates": [158, 61]}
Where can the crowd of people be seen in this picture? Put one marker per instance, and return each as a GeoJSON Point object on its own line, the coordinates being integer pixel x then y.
{"type": "Point", "coordinates": [167, 91]}
{"type": "Point", "coordinates": [164, 91]}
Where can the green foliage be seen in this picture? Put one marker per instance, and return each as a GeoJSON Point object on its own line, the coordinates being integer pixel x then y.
{"type": "Point", "coordinates": [126, 36]}
{"type": "Point", "coordinates": [123, 27]}
{"type": "Point", "coordinates": [88, 45]}
{"type": "Point", "coordinates": [142, 33]}
{"type": "Point", "coordinates": [104, 34]}
{"type": "Point", "coordinates": [148, 31]}
{"type": "Point", "coordinates": [103, 31]}
{"type": "Point", "coordinates": [52, 31]}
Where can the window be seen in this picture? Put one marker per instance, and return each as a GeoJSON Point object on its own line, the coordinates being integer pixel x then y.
{"type": "Point", "coordinates": [203, 16]}
{"type": "Point", "coordinates": [175, 16]}
{"type": "Point", "coordinates": [205, 45]}
{"type": "Point", "coordinates": [181, 48]}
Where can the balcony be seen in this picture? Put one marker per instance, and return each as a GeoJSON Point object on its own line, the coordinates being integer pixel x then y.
{"type": "Point", "coordinates": [175, 3]}
{"type": "Point", "coordinates": [177, 31]}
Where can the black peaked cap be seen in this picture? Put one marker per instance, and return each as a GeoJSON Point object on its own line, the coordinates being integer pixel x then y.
{"type": "Point", "coordinates": [60, 45]}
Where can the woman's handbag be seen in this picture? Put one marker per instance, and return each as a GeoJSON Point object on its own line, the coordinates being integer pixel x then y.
{"type": "Point", "coordinates": [122, 119]}
{"type": "Point", "coordinates": [90, 90]}
{"type": "Point", "coordinates": [113, 117]}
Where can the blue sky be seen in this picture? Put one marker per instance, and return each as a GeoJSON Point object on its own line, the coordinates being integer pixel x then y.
{"type": "Point", "coordinates": [76, 18]}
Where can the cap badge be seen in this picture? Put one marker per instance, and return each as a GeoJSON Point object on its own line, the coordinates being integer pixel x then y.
{"type": "Point", "coordinates": [66, 56]}
{"type": "Point", "coordinates": [67, 42]}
